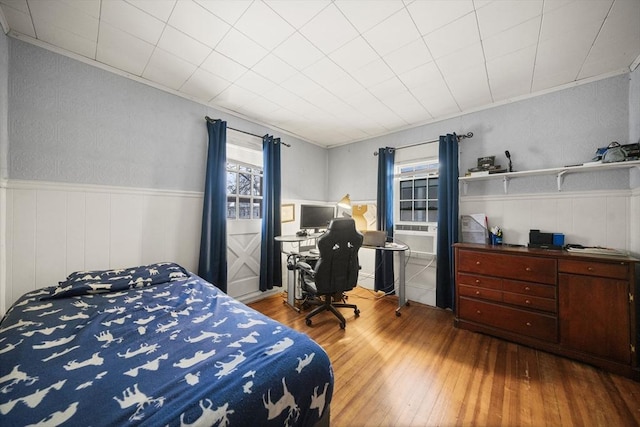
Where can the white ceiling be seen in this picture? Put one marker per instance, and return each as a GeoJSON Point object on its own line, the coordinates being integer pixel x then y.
{"type": "Point", "coordinates": [334, 72]}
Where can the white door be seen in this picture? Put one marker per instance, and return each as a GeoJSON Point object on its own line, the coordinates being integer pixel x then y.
{"type": "Point", "coordinates": [244, 202]}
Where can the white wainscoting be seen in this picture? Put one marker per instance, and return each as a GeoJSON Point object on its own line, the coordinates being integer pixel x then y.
{"type": "Point", "coordinates": [53, 229]}
{"type": "Point", "coordinates": [595, 218]}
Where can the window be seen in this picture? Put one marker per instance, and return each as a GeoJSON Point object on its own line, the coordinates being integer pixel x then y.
{"type": "Point", "coordinates": [244, 191]}
{"type": "Point", "coordinates": [418, 192]}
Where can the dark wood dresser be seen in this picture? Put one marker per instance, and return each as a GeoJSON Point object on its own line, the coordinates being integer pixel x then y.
{"type": "Point", "coordinates": [575, 305]}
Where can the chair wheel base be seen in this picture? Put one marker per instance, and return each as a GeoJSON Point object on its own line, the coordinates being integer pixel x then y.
{"type": "Point", "coordinates": [356, 312]}
{"type": "Point", "coordinates": [308, 322]}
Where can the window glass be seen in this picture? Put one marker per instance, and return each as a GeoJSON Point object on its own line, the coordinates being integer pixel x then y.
{"type": "Point", "coordinates": [244, 191]}
{"type": "Point", "coordinates": [417, 186]}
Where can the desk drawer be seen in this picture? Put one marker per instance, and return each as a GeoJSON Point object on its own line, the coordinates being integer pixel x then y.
{"type": "Point", "coordinates": [536, 325]}
{"type": "Point", "coordinates": [527, 288]}
{"type": "Point", "coordinates": [536, 303]}
{"type": "Point", "coordinates": [480, 281]}
{"type": "Point", "coordinates": [534, 269]}
{"type": "Point", "coordinates": [619, 270]}
{"type": "Point", "coordinates": [476, 292]}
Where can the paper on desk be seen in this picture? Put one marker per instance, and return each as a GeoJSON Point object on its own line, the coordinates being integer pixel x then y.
{"type": "Point", "coordinates": [474, 228]}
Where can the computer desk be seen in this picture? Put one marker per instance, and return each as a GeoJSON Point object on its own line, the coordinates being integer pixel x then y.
{"type": "Point", "coordinates": [401, 248]}
{"type": "Point", "coordinates": [292, 277]}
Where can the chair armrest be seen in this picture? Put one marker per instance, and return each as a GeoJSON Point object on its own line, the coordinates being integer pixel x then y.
{"type": "Point", "coordinates": [301, 265]}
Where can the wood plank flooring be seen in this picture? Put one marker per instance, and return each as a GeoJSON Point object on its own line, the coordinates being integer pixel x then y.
{"type": "Point", "coordinates": [418, 370]}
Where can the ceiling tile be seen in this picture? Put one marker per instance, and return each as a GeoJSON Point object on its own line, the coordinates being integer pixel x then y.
{"type": "Point", "coordinates": [18, 5]}
{"type": "Point", "coordinates": [408, 57]}
{"type": "Point", "coordinates": [160, 9]}
{"type": "Point", "coordinates": [228, 11]}
{"type": "Point", "coordinates": [204, 85]}
{"type": "Point", "coordinates": [434, 14]}
{"type": "Point", "coordinates": [122, 50]}
{"type": "Point", "coordinates": [181, 45]}
{"type": "Point", "coordinates": [281, 96]}
{"type": "Point", "coordinates": [298, 52]}
{"type": "Point", "coordinates": [132, 20]}
{"type": "Point", "coordinates": [297, 13]}
{"type": "Point", "coordinates": [67, 40]}
{"type": "Point", "coordinates": [574, 18]}
{"type": "Point", "coordinates": [453, 36]}
{"type": "Point", "coordinates": [373, 73]}
{"type": "Point", "coordinates": [197, 22]}
{"type": "Point", "coordinates": [240, 48]}
{"type": "Point", "coordinates": [364, 14]}
{"type": "Point", "coordinates": [405, 105]}
{"type": "Point", "coordinates": [329, 30]}
{"type": "Point", "coordinates": [66, 16]}
{"type": "Point", "coordinates": [234, 97]}
{"type": "Point", "coordinates": [400, 25]}
{"type": "Point", "coordinates": [513, 39]}
{"type": "Point", "coordinates": [387, 88]}
{"type": "Point", "coordinates": [264, 26]}
{"type": "Point", "coordinates": [167, 69]}
{"type": "Point", "coordinates": [324, 72]}
{"type": "Point", "coordinates": [223, 67]}
{"type": "Point", "coordinates": [436, 98]}
{"type": "Point", "coordinates": [470, 87]}
{"type": "Point", "coordinates": [19, 18]}
{"type": "Point", "coordinates": [274, 69]}
{"type": "Point", "coordinates": [511, 75]}
{"type": "Point", "coordinates": [462, 59]}
{"type": "Point", "coordinates": [354, 54]}
{"type": "Point", "coordinates": [500, 16]}
{"type": "Point", "coordinates": [301, 85]}
{"type": "Point", "coordinates": [254, 82]}
{"type": "Point", "coordinates": [617, 43]}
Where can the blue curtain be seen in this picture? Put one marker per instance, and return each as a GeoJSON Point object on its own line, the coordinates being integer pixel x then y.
{"type": "Point", "coordinates": [384, 279]}
{"type": "Point", "coordinates": [212, 265]}
{"type": "Point", "coordinates": [270, 267]}
{"type": "Point", "coordinates": [447, 220]}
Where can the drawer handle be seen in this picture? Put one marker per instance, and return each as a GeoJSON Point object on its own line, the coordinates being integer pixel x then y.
{"type": "Point", "coordinates": [477, 262]}
{"type": "Point", "coordinates": [589, 268]}
{"type": "Point", "coordinates": [528, 323]}
{"type": "Point", "coordinates": [527, 301]}
{"type": "Point", "coordinates": [477, 292]}
{"type": "Point", "coordinates": [527, 269]}
{"type": "Point", "coordinates": [478, 312]}
{"type": "Point", "coordinates": [526, 288]}
{"type": "Point", "coordinates": [477, 280]}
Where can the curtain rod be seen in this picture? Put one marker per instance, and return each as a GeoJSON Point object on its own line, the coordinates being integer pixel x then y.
{"type": "Point", "coordinates": [209, 119]}
{"type": "Point", "coordinates": [467, 135]}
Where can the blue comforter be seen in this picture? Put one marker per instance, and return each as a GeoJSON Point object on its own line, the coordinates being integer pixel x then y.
{"type": "Point", "coordinates": [154, 345]}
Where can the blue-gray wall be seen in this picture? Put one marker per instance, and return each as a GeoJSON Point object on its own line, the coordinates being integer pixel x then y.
{"type": "Point", "coordinates": [634, 118]}
{"type": "Point", "coordinates": [552, 130]}
{"type": "Point", "coordinates": [75, 123]}
{"type": "Point", "coordinates": [4, 105]}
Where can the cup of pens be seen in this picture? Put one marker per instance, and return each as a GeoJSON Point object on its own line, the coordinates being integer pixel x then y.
{"type": "Point", "coordinates": [495, 235]}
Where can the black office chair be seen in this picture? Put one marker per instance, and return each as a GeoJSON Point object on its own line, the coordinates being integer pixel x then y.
{"type": "Point", "coordinates": [336, 270]}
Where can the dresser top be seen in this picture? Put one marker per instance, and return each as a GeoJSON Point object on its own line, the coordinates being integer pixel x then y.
{"type": "Point", "coordinates": [550, 253]}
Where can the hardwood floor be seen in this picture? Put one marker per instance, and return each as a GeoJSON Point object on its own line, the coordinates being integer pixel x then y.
{"type": "Point", "coordinates": [418, 370]}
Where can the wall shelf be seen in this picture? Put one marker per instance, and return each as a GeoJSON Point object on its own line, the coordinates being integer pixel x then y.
{"type": "Point", "coordinates": [559, 172]}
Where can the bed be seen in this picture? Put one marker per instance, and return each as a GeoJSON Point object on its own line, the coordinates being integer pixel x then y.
{"type": "Point", "coordinates": [154, 345]}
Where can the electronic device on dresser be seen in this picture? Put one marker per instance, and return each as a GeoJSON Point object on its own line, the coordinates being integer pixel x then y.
{"type": "Point", "coordinates": [316, 217]}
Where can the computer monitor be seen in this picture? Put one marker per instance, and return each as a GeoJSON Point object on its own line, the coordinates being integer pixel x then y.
{"type": "Point", "coordinates": [316, 216]}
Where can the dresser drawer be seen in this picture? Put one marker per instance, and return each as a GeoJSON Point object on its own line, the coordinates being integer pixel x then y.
{"type": "Point", "coordinates": [536, 303]}
{"type": "Point", "coordinates": [536, 325]}
{"type": "Point", "coordinates": [616, 270]}
{"type": "Point", "coordinates": [476, 292]}
{"type": "Point", "coordinates": [527, 288]}
{"type": "Point", "coordinates": [534, 269]}
{"type": "Point", "coordinates": [480, 281]}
